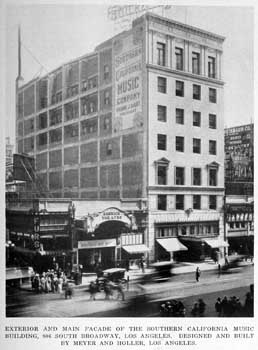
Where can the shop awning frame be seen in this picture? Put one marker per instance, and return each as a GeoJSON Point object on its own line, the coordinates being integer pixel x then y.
{"type": "Point", "coordinates": [136, 248]}
{"type": "Point", "coordinates": [172, 244]}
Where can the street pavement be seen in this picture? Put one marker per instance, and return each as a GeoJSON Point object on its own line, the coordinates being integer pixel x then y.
{"type": "Point", "coordinates": [27, 304]}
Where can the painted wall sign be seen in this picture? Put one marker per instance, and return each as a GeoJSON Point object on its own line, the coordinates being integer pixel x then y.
{"type": "Point", "coordinates": [127, 56]}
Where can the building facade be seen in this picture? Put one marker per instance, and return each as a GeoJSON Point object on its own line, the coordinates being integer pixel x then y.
{"type": "Point", "coordinates": [139, 120]}
{"type": "Point", "coordinates": [239, 179]}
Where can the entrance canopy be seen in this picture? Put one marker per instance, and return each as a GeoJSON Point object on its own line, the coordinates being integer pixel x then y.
{"type": "Point", "coordinates": [136, 248]}
{"type": "Point", "coordinates": [171, 244]}
{"type": "Point", "coordinates": [216, 243]}
{"type": "Point", "coordinates": [97, 243]}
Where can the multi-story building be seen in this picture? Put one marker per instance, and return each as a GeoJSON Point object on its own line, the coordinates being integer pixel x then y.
{"type": "Point", "coordinates": [139, 120]}
{"type": "Point", "coordinates": [239, 177]}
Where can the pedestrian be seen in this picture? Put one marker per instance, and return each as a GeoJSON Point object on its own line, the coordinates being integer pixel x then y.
{"type": "Point", "coordinates": [120, 291]}
{"type": "Point", "coordinates": [224, 306]}
{"type": "Point", "coordinates": [219, 269]}
{"type": "Point", "coordinates": [195, 310]}
{"type": "Point", "coordinates": [68, 290]}
{"type": "Point", "coordinates": [218, 307]}
{"type": "Point", "coordinates": [127, 279]}
{"type": "Point", "coordinates": [142, 261]}
{"type": "Point", "coordinates": [107, 290]}
{"type": "Point", "coordinates": [202, 307]}
{"type": "Point", "coordinates": [197, 274]}
{"type": "Point", "coordinates": [92, 290]}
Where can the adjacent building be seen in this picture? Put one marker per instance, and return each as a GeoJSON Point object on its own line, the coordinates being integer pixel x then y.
{"type": "Point", "coordinates": [135, 127]}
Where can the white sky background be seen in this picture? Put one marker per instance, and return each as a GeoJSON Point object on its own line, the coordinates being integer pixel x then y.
{"type": "Point", "coordinates": [55, 34]}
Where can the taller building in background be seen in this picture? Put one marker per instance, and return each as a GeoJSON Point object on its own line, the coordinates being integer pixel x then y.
{"type": "Point", "coordinates": [139, 120]}
{"type": "Point", "coordinates": [239, 183]}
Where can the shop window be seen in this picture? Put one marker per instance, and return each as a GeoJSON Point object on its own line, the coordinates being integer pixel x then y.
{"type": "Point", "coordinates": [162, 142]}
{"type": "Point", "coordinates": [213, 177]}
{"type": "Point", "coordinates": [180, 202]}
{"type": "Point", "coordinates": [192, 230]}
{"type": "Point", "coordinates": [161, 54]}
{"type": "Point", "coordinates": [162, 113]}
{"type": "Point", "coordinates": [179, 58]}
{"type": "Point", "coordinates": [180, 176]}
{"type": "Point", "coordinates": [162, 202]}
{"type": "Point", "coordinates": [212, 95]}
{"type": "Point", "coordinates": [197, 146]}
{"type": "Point", "coordinates": [183, 230]}
{"type": "Point", "coordinates": [196, 201]}
{"type": "Point", "coordinates": [179, 116]}
{"type": "Point", "coordinates": [196, 92]}
{"type": "Point", "coordinates": [196, 118]}
{"type": "Point", "coordinates": [196, 177]}
{"type": "Point", "coordinates": [162, 85]}
{"type": "Point", "coordinates": [212, 202]}
{"type": "Point", "coordinates": [180, 143]}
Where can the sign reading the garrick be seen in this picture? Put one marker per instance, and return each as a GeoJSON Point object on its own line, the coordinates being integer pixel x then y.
{"type": "Point", "coordinates": [128, 80]}
{"type": "Point", "coordinates": [110, 214]}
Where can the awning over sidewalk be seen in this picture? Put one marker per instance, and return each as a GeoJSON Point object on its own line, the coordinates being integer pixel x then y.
{"type": "Point", "coordinates": [216, 243]}
{"type": "Point", "coordinates": [172, 244]}
{"type": "Point", "coordinates": [136, 248]}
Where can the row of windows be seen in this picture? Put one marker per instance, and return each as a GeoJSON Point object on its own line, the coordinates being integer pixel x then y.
{"type": "Point", "coordinates": [180, 141]}
{"type": "Point", "coordinates": [184, 229]}
{"type": "Point", "coordinates": [180, 202]}
{"type": "Point", "coordinates": [179, 58]}
{"type": "Point", "coordinates": [180, 176]}
{"type": "Point", "coordinates": [180, 117]}
{"type": "Point", "coordinates": [162, 87]}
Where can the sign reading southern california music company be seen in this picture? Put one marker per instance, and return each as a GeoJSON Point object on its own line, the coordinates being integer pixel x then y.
{"type": "Point", "coordinates": [127, 52]}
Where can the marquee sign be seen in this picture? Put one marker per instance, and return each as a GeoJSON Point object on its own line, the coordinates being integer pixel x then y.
{"type": "Point", "coordinates": [110, 214]}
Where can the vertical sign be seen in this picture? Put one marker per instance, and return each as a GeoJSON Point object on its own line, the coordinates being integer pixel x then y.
{"type": "Point", "coordinates": [127, 56]}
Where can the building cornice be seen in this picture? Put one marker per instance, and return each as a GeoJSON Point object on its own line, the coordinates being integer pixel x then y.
{"type": "Point", "coordinates": [181, 74]}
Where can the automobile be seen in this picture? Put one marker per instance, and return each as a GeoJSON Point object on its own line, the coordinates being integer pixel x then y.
{"type": "Point", "coordinates": [159, 272]}
{"type": "Point", "coordinates": [114, 275]}
{"type": "Point", "coordinates": [233, 263]}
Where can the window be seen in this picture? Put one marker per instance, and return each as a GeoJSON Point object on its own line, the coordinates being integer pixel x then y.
{"type": "Point", "coordinates": [162, 113]}
{"type": "Point", "coordinates": [55, 135]}
{"type": "Point", "coordinates": [197, 177]}
{"type": "Point", "coordinates": [180, 202]}
{"type": "Point", "coordinates": [179, 143]}
{"type": "Point", "coordinates": [71, 110]}
{"type": "Point", "coordinates": [195, 63]}
{"type": "Point", "coordinates": [109, 149]}
{"type": "Point", "coordinates": [179, 58]}
{"type": "Point", "coordinates": [42, 121]}
{"type": "Point", "coordinates": [162, 175]}
{"type": "Point", "coordinates": [106, 72]}
{"type": "Point", "coordinates": [55, 116]}
{"type": "Point", "coordinates": [92, 107]}
{"type": "Point", "coordinates": [180, 176]}
{"type": "Point", "coordinates": [212, 177]}
{"type": "Point", "coordinates": [106, 98]}
{"type": "Point", "coordinates": [211, 67]}
{"type": "Point", "coordinates": [107, 123]}
{"type": "Point", "coordinates": [179, 116]}
{"type": "Point", "coordinates": [162, 202]}
{"type": "Point", "coordinates": [71, 131]}
{"type": "Point", "coordinates": [162, 142]}
{"type": "Point", "coordinates": [161, 51]}
{"type": "Point", "coordinates": [89, 127]}
{"type": "Point", "coordinates": [179, 88]}
{"type": "Point", "coordinates": [42, 139]}
{"type": "Point", "coordinates": [162, 85]}
{"type": "Point", "coordinates": [196, 118]}
{"type": "Point", "coordinates": [212, 147]}
{"type": "Point", "coordinates": [212, 95]}
{"type": "Point", "coordinates": [213, 202]}
{"type": "Point", "coordinates": [196, 145]}
{"type": "Point", "coordinates": [196, 201]}
{"type": "Point", "coordinates": [196, 92]}
{"type": "Point", "coordinates": [212, 121]}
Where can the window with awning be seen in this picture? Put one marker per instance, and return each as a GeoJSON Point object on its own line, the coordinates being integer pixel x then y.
{"type": "Point", "coordinates": [172, 244]}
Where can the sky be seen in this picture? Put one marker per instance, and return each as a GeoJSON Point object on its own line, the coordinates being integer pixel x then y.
{"type": "Point", "coordinates": [53, 34]}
